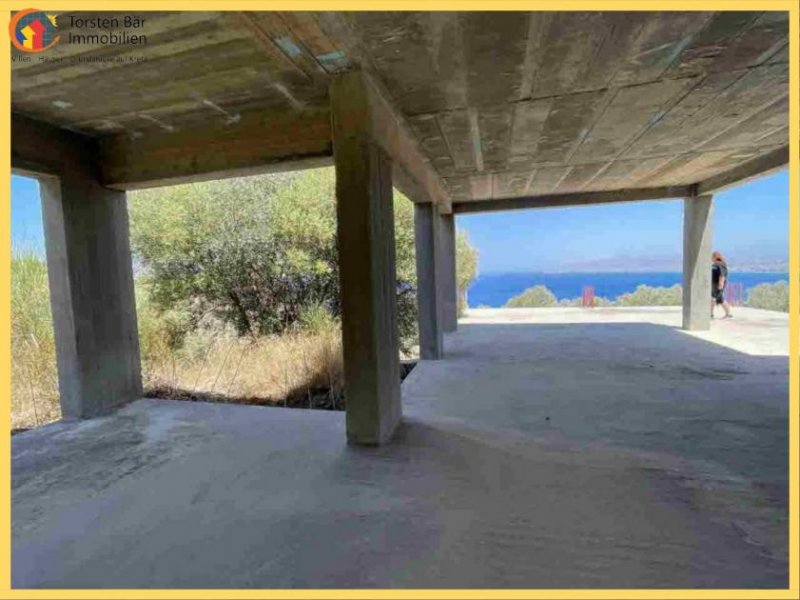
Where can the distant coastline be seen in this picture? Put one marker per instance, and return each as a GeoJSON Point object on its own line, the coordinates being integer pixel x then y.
{"type": "Point", "coordinates": [495, 289]}
{"type": "Point", "coordinates": [778, 268]}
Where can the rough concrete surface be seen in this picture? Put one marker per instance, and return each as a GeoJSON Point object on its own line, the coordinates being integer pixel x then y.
{"type": "Point", "coordinates": [550, 448]}
{"type": "Point", "coordinates": [501, 104]}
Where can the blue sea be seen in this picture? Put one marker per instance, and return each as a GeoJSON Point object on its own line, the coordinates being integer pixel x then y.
{"type": "Point", "coordinates": [495, 289]}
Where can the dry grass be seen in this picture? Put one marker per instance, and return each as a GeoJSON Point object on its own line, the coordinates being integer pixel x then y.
{"type": "Point", "coordinates": [300, 369]}
{"type": "Point", "coordinates": [34, 382]}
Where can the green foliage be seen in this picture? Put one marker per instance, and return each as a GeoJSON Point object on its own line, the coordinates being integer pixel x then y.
{"type": "Point", "coordinates": [316, 318]}
{"type": "Point", "coordinates": [533, 297]}
{"type": "Point", "coordinates": [769, 296]}
{"type": "Point", "coordinates": [405, 263]}
{"type": "Point", "coordinates": [257, 253]}
{"type": "Point", "coordinates": [161, 330]}
{"type": "Point", "coordinates": [249, 251]}
{"type": "Point", "coordinates": [466, 267]}
{"type": "Point", "coordinates": [652, 296]}
{"type": "Point", "coordinates": [540, 296]}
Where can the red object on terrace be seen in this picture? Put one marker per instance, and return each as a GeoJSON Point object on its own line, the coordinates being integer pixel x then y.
{"type": "Point", "coordinates": [587, 297]}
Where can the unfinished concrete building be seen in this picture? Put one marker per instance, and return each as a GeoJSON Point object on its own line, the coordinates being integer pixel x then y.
{"type": "Point", "coordinates": [462, 112]}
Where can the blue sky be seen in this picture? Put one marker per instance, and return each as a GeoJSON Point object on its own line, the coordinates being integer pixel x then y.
{"type": "Point", "coordinates": [751, 226]}
{"type": "Point", "coordinates": [26, 215]}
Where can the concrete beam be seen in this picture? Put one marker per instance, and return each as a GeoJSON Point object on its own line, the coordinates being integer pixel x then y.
{"type": "Point", "coordinates": [38, 148]}
{"type": "Point", "coordinates": [697, 237]}
{"type": "Point", "coordinates": [427, 240]}
{"type": "Point", "coordinates": [259, 142]}
{"type": "Point", "coordinates": [392, 133]}
{"type": "Point", "coordinates": [576, 199]}
{"type": "Point", "coordinates": [752, 169]}
{"type": "Point", "coordinates": [448, 286]}
{"type": "Point", "coordinates": [366, 264]}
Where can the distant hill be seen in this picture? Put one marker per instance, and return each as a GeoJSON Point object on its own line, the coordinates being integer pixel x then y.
{"type": "Point", "coordinates": [664, 264]}
{"type": "Point", "coordinates": [777, 266]}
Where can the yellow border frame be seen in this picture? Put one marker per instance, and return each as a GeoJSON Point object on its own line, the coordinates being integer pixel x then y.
{"type": "Point", "coordinates": [791, 6]}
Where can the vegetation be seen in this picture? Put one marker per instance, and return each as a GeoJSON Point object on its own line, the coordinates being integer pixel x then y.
{"type": "Point", "coordinates": [253, 253]}
{"type": "Point", "coordinates": [536, 296]}
{"type": "Point", "coordinates": [466, 267]}
{"type": "Point", "coordinates": [644, 295]}
{"type": "Point", "coordinates": [237, 295]}
{"type": "Point", "coordinates": [770, 296]}
{"type": "Point", "coordinates": [34, 385]}
{"type": "Point", "coordinates": [249, 252]}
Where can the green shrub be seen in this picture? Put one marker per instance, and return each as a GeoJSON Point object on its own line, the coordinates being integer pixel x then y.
{"type": "Point", "coordinates": [533, 297]}
{"type": "Point", "coordinates": [769, 296]}
{"type": "Point", "coordinates": [250, 251]}
{"type": "Point", "coordinates": [162, 331]}
{"type": "Point", "coordinates": [652, 296]}
{"type": "Point", "coordinates": [258, 252]}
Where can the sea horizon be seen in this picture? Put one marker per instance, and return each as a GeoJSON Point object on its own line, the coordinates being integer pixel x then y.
{"type": "Point", "coordinates": [781, 271]}
{"type": "Point", "coordinates": [494, 289]}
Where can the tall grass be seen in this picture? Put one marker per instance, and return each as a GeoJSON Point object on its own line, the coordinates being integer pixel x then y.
{"type": "Point", "coordinates": [302, 367]}
{"type": "Point", "coordinates": [34, 380]}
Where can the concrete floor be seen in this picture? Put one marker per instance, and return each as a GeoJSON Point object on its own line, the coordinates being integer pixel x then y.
{"type": "Point", "coordinates": [552, 448]}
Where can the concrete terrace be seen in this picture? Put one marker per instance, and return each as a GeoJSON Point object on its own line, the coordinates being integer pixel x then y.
{"type": "Point", "coordinates": [548, 448]}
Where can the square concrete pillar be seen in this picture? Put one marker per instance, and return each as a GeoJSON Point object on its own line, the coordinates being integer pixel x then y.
{"type": "Point", "coordinates": [448, 286]}
{"type": "Point", "coordinates": [91, 294]}
{"type": "Point", "coordinates": [697, 239]}
{"type": "Point", "coordinates": [366, 265]}
{"type": "Point", "coordinates": [427, 240]}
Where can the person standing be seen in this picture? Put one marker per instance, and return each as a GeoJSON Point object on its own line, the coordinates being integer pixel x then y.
{"type": "Point", "coordinates": [719, 279]}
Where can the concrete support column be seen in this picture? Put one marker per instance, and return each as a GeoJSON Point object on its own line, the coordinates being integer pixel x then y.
{"type": "Point", "coordinates": [448, 284]}
{"type": "Point", "coordinates": [697, 233]}
{"type": "Point", "coordinates": [427, 240]}
{"type": "Point", "coordinates": [91, 294]}
{"type": "Point", "coordinates": [366, 265]}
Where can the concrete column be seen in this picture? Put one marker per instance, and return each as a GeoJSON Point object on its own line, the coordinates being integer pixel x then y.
{"type": "Point", "coordinates": [366, 265]}
{"type": "Point", "coordinates": [427, 240]}
{"type": "Point", "coordinates": [448, 285]}
{"type": "Point", "coordinates": [91, 294]}
{"type": "Point", "coordinates": [697, 233]}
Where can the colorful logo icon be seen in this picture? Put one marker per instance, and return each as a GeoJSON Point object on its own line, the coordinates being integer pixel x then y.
{"type": "Point", "coordinates": [33, 30]}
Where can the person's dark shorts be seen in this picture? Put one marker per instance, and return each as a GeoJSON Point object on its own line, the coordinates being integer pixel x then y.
{"type": "Point", "coordinates": [718, 296]}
